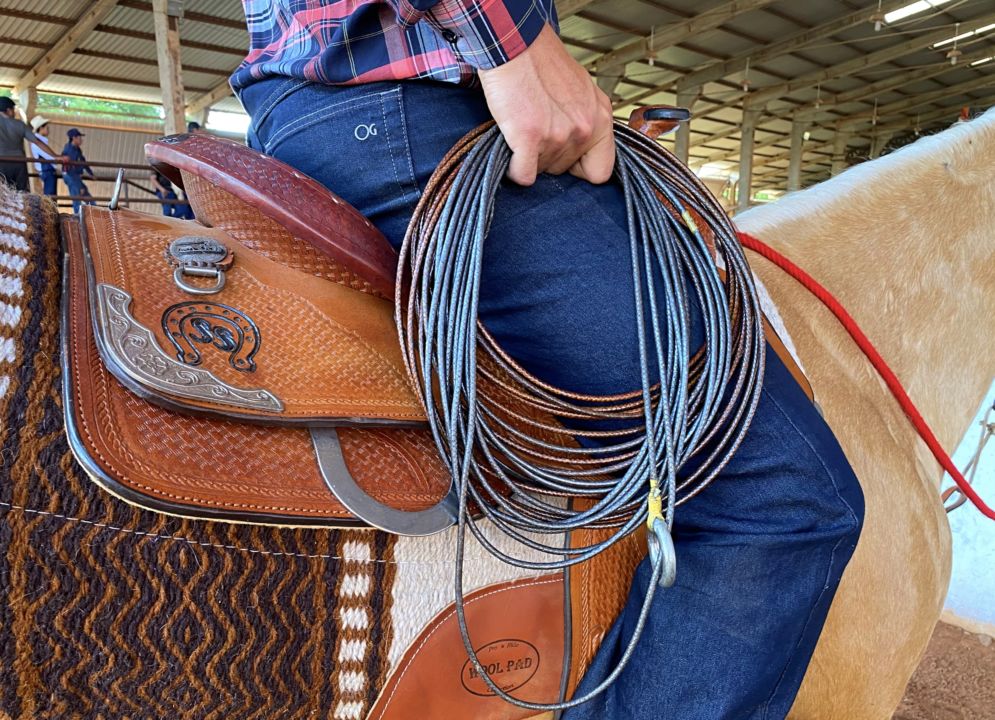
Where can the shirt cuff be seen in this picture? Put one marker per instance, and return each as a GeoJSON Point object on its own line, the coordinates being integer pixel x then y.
{"type": "Point", "coordinates": [489, 33]}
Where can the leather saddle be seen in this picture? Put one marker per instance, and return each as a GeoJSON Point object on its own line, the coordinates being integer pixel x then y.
{"type": "Point", "coordinates": [246, 367]}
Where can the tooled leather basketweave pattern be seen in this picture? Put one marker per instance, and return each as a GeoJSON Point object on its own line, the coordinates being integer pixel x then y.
{"type": "Point", "coordinates": [309, 360]}
{"type": "Point", "coordinates": [219, 208]}
{"type": "Point", "coordinates": [216, 463]}
{"type": "Point", "coordinates": [598, 591]}
{"type": "Point", "coordinates": [400, 468]}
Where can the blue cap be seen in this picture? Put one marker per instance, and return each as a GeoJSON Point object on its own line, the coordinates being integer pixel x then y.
{"type": "Point", "coordinates": [74, 133]}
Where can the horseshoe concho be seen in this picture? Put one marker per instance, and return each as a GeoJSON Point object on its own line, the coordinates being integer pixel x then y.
{"type": "Point", "coordinates": [210, 325]}
{"type": "Point", "coordinates": [199, 256]}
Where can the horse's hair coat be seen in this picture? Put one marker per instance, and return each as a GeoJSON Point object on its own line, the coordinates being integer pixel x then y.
{"type": "Point", "coordinates": [907, 243]}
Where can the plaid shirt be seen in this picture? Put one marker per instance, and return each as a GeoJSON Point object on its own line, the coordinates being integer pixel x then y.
{"type": "Point", "coordinates": [347, 42]}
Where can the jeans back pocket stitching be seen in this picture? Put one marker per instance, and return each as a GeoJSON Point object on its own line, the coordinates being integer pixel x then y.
{"type": "Point", "coordinates": [390, 150]}
{"type": "Point", "coordinates": [407, 144]}
{"type": "Point", "coordinates": [281, 134]}
{"type": "Point", "coordinates": [279, 92]}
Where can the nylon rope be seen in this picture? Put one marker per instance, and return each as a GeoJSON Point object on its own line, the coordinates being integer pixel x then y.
{"type": "Point", "coordinates": [517, 467]}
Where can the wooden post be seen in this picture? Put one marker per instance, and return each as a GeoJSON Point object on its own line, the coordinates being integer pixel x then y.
{"type": "Point", "coordinates": [749, 130]}
{"type": "Point", "coordinates": [166, 18]}
{"type": "Point", "coordinates": [682, 142]}
{"type": "Point", "coordinates": [798, 127]}
{"type": "Point", "coordinates": [840, 141]}
{"type": "Point", "coordinates": [29, 102]}
{"type": "Point", "coordinates": [609, 78]}
{"type": "Point", "coordinates": [878, 143]}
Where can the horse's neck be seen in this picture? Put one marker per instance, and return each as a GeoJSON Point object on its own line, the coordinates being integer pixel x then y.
{"type": "Point", "coordinates": [907, 244]}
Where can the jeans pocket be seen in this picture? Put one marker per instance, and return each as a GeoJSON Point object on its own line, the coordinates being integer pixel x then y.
{"type": "Point", "coordinates": [354, 141]}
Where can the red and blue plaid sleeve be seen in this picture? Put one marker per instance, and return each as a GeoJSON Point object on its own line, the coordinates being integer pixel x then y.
{"type": "Point", "coordinates": [482, 33]}
{"type": "Point", "coordinates": [345, 42]}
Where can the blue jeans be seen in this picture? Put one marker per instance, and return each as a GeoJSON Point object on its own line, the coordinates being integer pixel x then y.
{"type": "Point", "coordinates": [175, 209]}
{"type": "Point", "coordinates": [49, 180]}
{"type": "Point", "coordinates": [77, 189]}
{"type": "Point", "coordinates": [760, 551]}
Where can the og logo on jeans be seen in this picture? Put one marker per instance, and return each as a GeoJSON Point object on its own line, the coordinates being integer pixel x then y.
{"type": "Point", "coordinates": [362, 132]}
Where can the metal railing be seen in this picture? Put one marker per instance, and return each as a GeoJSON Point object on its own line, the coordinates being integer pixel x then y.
{"type": "Point", "coordinates": [124, 199]}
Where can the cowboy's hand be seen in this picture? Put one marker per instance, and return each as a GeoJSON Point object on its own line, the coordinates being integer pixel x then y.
{"type": "Point", "coordinates": [553, 116]}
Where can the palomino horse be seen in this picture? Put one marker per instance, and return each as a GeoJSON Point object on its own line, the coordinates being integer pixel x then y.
{"type": "Point", "coordinates": [907, 244]}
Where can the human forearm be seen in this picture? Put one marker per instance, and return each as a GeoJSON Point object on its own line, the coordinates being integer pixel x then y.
{"type": "Point", "coordinates": [553, 116]}
{"type": "Point", "coordinates": [42, 145]}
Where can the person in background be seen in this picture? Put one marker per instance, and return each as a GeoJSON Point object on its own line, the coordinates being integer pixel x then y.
{"type": "Point", "coordinates": [193, 126]}
{"type": "Point", "coordinates": [49, 179]}
{"type": "Point", "coordinates": [73, 174]}
{"type": "Point", "coordinates": [13, 133]}
{"type": "Point", "coordinates": [164, 191]}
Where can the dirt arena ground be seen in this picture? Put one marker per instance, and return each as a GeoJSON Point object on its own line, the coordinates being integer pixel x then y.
{"type": "Point", "coordinates": [956, 680]}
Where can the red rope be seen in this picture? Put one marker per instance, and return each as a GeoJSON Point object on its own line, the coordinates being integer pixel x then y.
{"type": "Point", "coordinates": [752, 243]}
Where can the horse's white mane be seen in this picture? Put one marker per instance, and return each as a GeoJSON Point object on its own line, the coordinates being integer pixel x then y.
{"type": "Point", "coordinates": [926, 151]}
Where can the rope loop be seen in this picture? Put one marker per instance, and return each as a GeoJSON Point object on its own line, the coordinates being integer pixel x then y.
{"type": "Point", "coordinates": [533, 461]}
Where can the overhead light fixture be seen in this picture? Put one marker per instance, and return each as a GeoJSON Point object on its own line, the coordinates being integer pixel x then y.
{"type": "Point", "coordinates": [983, 60]}
{"type": "Point", "coordinates": [806, 136]}
{"type": "Point", "coordinates": [913, 9]}
{"type": "Point", "coordinates": [877, 18]}
{"type": "Point", "coordinates": [962, 36]}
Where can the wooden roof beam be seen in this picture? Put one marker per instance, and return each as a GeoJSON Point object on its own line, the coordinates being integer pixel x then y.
{"type": "Point", "coordinates": [889, 84]}
{"type": "Point", "coordinates": [899, 106]}
{"type": "Point", "coordinates": [755, 56]}
{"type": "Point", "coordinates": [948, 111]}
{"type": "Point", "coordinates": [51, 60]}
{"type": "Point", "coordinates": [212, 96]}
{"type": "Point", "coordinates": [861, 93]}
{"type": "Point", "coordinates": [765, 95]}
{"type": "Point", "coordinates": [568, 8]}
{"type": "Point", "coordinates": [762, 53]}
{"type": "Point", "coordinates": [760, 98]}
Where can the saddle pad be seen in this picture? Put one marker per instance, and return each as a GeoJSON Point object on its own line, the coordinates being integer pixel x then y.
{"type": "Point", "coordinates": [218, 468]}
{"type": "Point", "coordinates": [274, 344]}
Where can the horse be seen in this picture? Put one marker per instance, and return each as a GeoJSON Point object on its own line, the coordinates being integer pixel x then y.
{"type": "Point", "coordinates": [907, 244]}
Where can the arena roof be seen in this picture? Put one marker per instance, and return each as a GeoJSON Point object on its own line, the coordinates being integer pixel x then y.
{"type": "Point", "coordinates": [820, 61]}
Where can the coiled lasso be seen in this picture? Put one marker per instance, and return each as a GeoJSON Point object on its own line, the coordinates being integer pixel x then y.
{"type": "Point", "coordinates": [498, 428]}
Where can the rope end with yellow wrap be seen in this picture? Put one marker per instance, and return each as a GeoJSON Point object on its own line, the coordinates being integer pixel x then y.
{"type": "Point", "coordinates": [512, 442]}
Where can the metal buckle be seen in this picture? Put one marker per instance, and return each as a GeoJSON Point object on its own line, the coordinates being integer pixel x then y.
{"type": "Point", "coordinates": [199, 256]}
